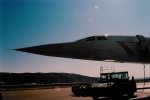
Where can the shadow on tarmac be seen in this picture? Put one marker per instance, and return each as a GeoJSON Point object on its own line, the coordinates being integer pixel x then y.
{"type": "Point", "coordinates": [125, 98]}
{"type": "Point", "coordinates": [120, 98]}
{"type": "Point", "coordinates": [117, 98]}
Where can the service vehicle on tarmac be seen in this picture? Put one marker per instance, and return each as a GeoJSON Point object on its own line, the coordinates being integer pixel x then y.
{"type": "Point", "coordinates": [111, 85]}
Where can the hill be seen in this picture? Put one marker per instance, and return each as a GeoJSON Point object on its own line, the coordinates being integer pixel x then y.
{"type": "Point", "coordinates": [43, 78]}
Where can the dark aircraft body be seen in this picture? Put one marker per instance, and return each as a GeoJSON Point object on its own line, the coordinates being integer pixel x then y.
{"type": "Point", "coordinates": [135, 49]}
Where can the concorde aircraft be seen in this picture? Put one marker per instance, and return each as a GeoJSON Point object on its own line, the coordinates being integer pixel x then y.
{"type": "Point", "coordinates": [134, 49]}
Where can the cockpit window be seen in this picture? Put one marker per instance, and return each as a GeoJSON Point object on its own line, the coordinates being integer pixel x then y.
{"type": "Point", "coordinates": [90, 38]}
{"type": "Point", "coordinates": [102, 38]}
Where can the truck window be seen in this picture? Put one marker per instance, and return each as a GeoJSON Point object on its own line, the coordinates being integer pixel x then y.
{"type": "Point", "coordinates": [124, 76]}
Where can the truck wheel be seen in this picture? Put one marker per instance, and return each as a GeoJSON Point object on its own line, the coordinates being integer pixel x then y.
{"type": "Point", "coordinates": [130, 94]}
{"type": "Point", "coordinates": [95, 97]}
{"type": "Point", "coordinates": [1, 96]}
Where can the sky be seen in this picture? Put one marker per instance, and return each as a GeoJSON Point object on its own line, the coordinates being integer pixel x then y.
{"type": "Point", "coordinates": [27, 23]}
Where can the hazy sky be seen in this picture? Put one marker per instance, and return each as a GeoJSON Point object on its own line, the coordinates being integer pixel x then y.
{"type": "Point", "coordinates": [35, 22]}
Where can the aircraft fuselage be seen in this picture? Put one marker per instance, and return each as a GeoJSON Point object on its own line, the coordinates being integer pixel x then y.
{"type": "Point", "coordinates": [101, 48]}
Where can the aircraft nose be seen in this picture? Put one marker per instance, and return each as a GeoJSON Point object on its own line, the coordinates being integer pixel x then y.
{"type": "Point", "coordinates": [48, 50]}
{"type": "Point", "coordinates": [36, 49]}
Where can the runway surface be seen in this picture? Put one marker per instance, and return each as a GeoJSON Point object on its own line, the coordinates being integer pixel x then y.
{"type": "Point", "coordinates": [59, 94]}
{"type": "Point", "coordinates": [42, 94]}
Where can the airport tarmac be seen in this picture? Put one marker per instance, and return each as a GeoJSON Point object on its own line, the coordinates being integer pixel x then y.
{"type": "Point", "coordinates": [59, 94]}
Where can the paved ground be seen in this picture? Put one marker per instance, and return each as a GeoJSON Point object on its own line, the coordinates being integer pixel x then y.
{"type": "Point", "coordinates": [63, 94]}
{"type": "Point", "coordinates": [42, 94]}
{"type": "Point", "coordinates": [59, 94]}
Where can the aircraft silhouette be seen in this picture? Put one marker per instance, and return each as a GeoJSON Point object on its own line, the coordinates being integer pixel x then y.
{"type": "Point", "coordinates": [135, 49]}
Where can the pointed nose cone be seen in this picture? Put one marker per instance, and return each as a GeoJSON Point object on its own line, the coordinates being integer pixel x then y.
{"type": "Point", "coordinates": [57, 50]}
{"type": "Point", "coordinates": [36, 49]}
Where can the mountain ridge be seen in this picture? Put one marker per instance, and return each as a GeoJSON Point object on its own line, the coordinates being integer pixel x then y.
{"type": "Point", "coordinates": [44, 78]}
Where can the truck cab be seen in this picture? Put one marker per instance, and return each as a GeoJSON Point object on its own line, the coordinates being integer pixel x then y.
{"type": "Point", "coordinates": [113, 84]}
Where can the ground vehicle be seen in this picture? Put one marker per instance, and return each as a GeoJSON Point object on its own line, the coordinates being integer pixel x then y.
{"type": "Point", "coordinates": [115, 84]}
{"type": "Point", "coordinates": [1, 96]}
{"type": "Point", "coordinates": [82, 90]}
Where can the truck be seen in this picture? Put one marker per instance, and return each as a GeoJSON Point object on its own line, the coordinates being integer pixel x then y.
{"type": "Point", "coordinates": [110, 85]}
